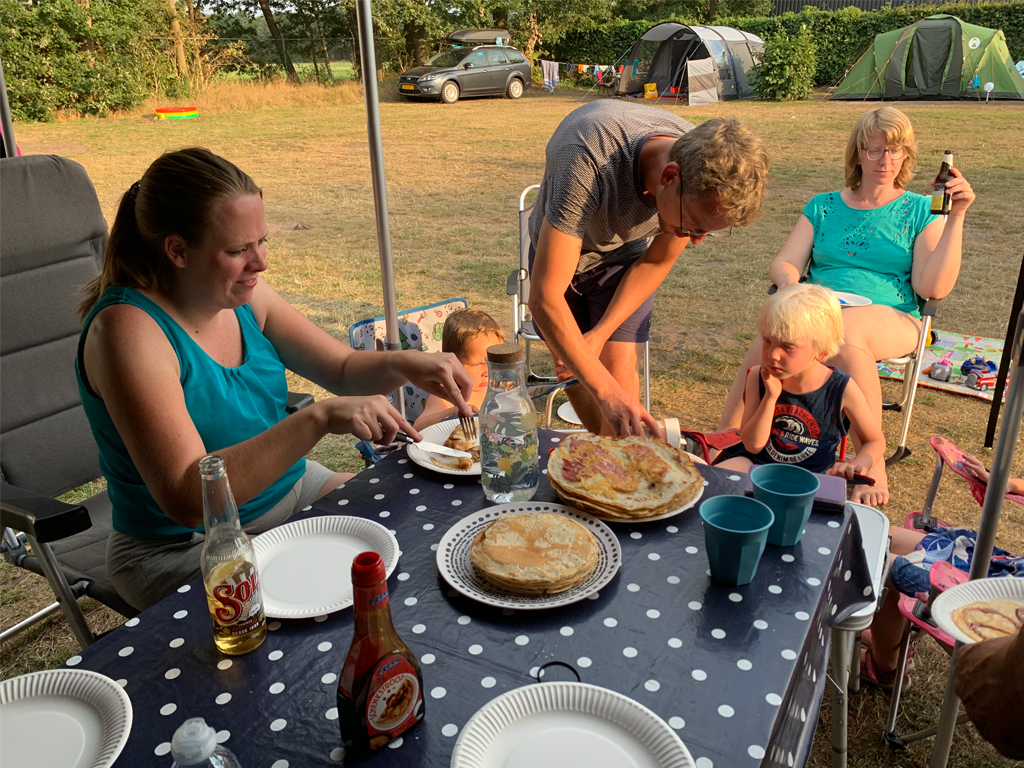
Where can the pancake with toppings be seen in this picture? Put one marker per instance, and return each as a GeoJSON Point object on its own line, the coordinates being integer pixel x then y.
{"type": "Point", "coordinates": [535, 553]}
{"type": "Point", "coordinates": [458, 440]}
{"type": "Point", "coordinates": [625, 478]}
{"type": "Point", "coordinates": [989, 619]}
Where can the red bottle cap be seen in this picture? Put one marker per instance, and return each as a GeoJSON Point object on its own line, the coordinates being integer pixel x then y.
{"type": "Point", "coordinates": [367, 569]}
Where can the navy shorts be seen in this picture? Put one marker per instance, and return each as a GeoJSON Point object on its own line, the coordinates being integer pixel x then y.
{"type": "Point", "coordinates": [590, 293]}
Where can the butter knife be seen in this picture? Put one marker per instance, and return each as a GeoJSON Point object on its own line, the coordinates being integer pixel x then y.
{"type": "Point", "coordinates": [430, 447]}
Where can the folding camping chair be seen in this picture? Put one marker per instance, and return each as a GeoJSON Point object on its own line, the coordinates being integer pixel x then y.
{"type": "Point", "coordinates": [54, 236]}
{"type": "Point", "coordinates": [518, 287]}
{"type": "Point", "coordinates": [916, 611]}
{"type": "Point", "coordinates": [53, 241]}
{"type": "Point", "coordinates": [418, 328]}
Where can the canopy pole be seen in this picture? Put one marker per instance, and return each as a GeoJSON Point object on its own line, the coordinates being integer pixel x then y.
{"type": "Point", "coordinates": [368, 58]}
{"type": "Point", "coordinates": [990, 513]}
{"type": "Point", "coordinates": [10, 148]}
{"type": "Point", "coordinates": [1004, 364]}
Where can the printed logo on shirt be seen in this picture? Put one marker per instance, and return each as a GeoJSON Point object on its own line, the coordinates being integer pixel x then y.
{"type": "Point", "coordinates": [795, 435]}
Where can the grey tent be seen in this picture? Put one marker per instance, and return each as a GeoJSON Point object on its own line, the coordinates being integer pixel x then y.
{"type": "Point", "coordinates": [691, 63]}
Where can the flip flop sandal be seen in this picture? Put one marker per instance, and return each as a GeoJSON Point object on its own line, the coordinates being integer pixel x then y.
{"type": "Point", "coordinates": [870, 673]}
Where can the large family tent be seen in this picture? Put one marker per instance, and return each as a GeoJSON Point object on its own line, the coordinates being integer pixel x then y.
{"type": "Point", "coordinates": [694, 64]}
{"type": "Point", "coordinates": [940, 57]}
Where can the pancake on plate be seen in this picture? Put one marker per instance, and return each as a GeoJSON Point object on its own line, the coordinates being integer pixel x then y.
{"type": "Point", "coordinates": [624, 478]}
{"type": "Point", "coordinates": [989, 619]}
{"type": "Point", "coordinates": [458, 440]}
{"type": "Point", "coordinates": [535, 553]}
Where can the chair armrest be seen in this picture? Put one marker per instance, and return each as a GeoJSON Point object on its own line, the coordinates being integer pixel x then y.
{"type": "Point", "coordinates": [40, 516]}
{"type": "Point", "coordinates": [931, 306]}
{"type": "Point", "coordinates": [297, 401]}
{"type": "Point", "coordinates": [515, 281]}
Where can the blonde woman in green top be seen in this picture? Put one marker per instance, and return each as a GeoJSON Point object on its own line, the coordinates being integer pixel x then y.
{"type": "Point", "coordinates": [878, 240]}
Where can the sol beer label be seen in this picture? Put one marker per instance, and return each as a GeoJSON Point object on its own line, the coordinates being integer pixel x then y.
{"type": "Point", "coordinates": [394, 702]}
{"type": "Point", "coordinates": [238, 603]}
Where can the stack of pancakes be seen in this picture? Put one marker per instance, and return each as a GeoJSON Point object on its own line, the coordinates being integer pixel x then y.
{"type": "Point", "coordinates": [535, 553]}
{"type": "Point", "coordinates": [625, 478]}
{"type": "Point", "coordinates": [989, 619]}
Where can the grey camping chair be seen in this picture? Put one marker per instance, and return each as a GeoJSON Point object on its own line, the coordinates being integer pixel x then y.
{"type": "Point", "coordinates": [518, 287]}
{"type": "Point", "coordinates": [54, 235]}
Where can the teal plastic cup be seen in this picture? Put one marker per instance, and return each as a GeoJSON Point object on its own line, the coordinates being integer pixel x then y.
{"type": "Point", "coordinates": [789, 492]}
{"type": "Point", "coordinates": [735, 533]}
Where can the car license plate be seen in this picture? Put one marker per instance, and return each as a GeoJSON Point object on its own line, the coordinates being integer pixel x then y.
{"type": "Point", "coordinates": [408, 87]}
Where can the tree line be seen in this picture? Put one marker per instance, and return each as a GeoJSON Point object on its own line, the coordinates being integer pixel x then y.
{"type": "Point", "coordinates": [99, 56]}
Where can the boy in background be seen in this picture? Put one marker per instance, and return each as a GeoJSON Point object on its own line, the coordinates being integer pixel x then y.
{"type": "Point", "coordinates": [467, 334]}
{"type": "Point", "coordinates": [794, 405]}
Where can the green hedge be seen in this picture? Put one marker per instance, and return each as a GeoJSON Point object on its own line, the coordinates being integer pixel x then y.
{"type": "Point", "coordinates": [839, 36]}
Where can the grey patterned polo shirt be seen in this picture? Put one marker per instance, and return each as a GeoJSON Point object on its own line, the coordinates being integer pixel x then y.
{"type": "Point", "coordinates": [590, 188]}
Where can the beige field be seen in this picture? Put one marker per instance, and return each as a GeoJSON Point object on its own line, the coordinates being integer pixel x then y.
{"type": "Point", "coordinates": [454, 175]}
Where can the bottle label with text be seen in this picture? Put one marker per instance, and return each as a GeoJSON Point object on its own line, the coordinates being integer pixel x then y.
{"type": "Point", "coordinates": [394, 702]}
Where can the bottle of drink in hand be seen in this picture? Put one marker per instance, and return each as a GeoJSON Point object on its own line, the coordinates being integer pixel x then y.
{"type": "Point", "coordinates": [380, 689]}
{"type": "Point", "coordinates": [940, 197]}
{"type": "Point", "coordinates": [229, 567]}
{"type": "Point", "coordinates": [509, 463]}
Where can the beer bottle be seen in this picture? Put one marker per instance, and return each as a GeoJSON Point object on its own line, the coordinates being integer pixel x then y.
{"type": "Point", "coordinates": [940, 197]}
{"type": "Point", "coordinates": [229, 567]}
{"type": "Point", "coordinates": [380, 690]}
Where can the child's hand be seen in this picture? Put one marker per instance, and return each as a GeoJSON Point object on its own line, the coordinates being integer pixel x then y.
{"type": "Point", "coordinates": [772, 385]}
{"type": "Point", "coordinates": [975, 467]}
{"type": "Point", "coordinates": [846, 470]}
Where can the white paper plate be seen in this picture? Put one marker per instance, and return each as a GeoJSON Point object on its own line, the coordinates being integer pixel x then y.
{"type": "Point", "coordinates": [438, 433]}
{"type": "Point", "coordinates": [458, 570]}
{"type": "Point", "coordinates": [851, 299]}
{"type": "Point", "coordinates": [556, 725]}
{"type": "Point", "coordinates": [1001, 588]}
{"type": "Point", "coordinates": [63, 718]}
{"type": "Point", "coordinates": [306, 566]}
{"type": "Point", "coordinates": [568, 414]}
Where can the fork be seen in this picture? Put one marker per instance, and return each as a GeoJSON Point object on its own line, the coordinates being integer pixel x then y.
{"type": "Point", "coordinates": [468, 427]}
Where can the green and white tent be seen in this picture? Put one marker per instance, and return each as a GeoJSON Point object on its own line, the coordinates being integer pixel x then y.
{"type": "Point", "coordinates": [940, 57]}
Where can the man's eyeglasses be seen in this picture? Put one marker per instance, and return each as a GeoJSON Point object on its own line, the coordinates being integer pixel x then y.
{"type": "Point", "coordinates": [875, 153]}
{"type": "Point", "coordinates": [696, 236]}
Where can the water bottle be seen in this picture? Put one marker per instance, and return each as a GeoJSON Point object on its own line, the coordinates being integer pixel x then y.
{"type": "Point", "coordinates": [508, 429]}
{"type": "Point", "coordinates": [195, 746]}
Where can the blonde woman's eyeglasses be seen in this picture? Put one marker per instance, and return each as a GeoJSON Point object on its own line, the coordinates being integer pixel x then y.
{"type": "Point", "coordinates": [875, 153]}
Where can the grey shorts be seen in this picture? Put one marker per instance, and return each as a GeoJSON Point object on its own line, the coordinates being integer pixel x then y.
{"type": "Point", "coordinates": [144, 571]}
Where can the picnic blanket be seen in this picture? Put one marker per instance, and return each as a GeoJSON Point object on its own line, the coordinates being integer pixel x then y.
{"type": "Point", "coordinates": [961, 347]}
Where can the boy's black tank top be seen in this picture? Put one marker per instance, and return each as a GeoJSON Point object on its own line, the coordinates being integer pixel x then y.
{"type": "Point", "coordinates": [806, 429]}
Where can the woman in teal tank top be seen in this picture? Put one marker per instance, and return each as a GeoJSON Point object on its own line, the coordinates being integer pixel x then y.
{"type": "Point", "coordinates": [880, 241]}
{"type": "Point", "coordinates": [183, 353]}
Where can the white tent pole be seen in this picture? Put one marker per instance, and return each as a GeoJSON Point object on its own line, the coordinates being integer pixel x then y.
{"type": "Point", "coordinates": [368, 58]}
{"type": "Point", "coordinates": [990, 513]}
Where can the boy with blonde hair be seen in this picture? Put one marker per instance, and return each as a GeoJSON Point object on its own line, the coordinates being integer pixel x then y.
{"type": "Point", "coordinates": [794, 405]}
{"type": "Point", "coordinates": [467, 333]}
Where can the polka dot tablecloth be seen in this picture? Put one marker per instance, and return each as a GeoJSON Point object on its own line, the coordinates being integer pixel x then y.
{"type": "Point", "coordinates": [738, 672]}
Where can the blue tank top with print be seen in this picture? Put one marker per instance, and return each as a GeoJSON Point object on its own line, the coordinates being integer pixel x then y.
{"type": "Point", "coordinates": [807, 428]}
{"type": "Point", "coordinates": [227, 406]}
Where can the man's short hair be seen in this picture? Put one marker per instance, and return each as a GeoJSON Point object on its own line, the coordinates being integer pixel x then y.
{"type": "Point", "coordinates": [804, 312]}
{"type": "Point", "coordinates": [725, 158]}
{"type": "Point", "coordinates": [465, 324]}
{"type": "Point", "coordinates": [898, 131]}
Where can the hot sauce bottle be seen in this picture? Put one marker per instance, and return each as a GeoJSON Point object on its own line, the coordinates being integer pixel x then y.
{"type": "Point", "coordinates": [380, 690]}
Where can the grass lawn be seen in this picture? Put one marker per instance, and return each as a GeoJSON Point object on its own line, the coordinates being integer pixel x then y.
{"type": "Point", "coordinates": [454, 175]}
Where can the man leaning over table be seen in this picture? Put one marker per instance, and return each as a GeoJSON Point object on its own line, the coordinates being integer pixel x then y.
{"type": "Point", "coordinates": [626, 187]}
